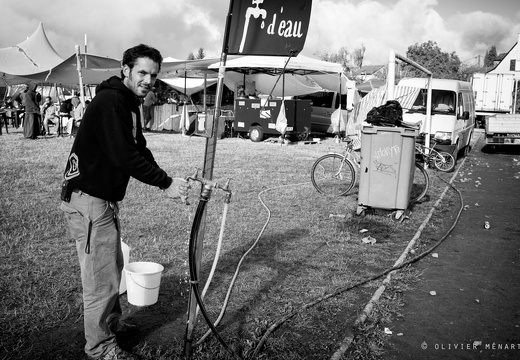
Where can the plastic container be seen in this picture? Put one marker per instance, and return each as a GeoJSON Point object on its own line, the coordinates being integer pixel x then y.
{"type": "Point", "coordinates": [126, 257]}
{"type": "Point", "coordinates": [143, 280]}
{"type": "Point", "coordinates": [387, 167]}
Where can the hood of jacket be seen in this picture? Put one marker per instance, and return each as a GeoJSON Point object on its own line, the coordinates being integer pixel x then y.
{"type": "Point", "coordinates": [116, 83]}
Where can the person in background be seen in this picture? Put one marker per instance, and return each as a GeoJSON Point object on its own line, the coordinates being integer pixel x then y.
{"type": "Point", "coordinates": [9, 110]}
{"type": "Point", "coordinates": [19, 111]}
{"type": "Point", "coordinates": [66, 115]}
{"type": "Point", "coordinates": [148, 104]}
{"type": "Point", "coordinates": [77, 115]}
{"type": "Point", "coordinates": [48, 114]}
{"type": "Point", "coordinates": [75, 99]}
{"type": "Point", "coordinates": [109, 148]}
{"type": "Point", "coordinates": [30, 100]}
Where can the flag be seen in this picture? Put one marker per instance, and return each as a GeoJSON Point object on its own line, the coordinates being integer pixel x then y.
{"type": "Point", "coordinates": [281, 120]}
{"type": "Point", "coordinates": [337, 120]}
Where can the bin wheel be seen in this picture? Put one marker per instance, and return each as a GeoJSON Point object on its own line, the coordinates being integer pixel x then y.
{"type": "Point", "coordinates": [361, 211]}
{"type": "Point", "coordinates": [256, 134]}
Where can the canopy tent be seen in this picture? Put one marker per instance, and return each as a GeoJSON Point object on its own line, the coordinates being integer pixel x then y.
{"type": "Point", "coordinates": [188, 86]}
{"type": "Point", "coordinates": [94, 69]}
{"type": "Point", "coordinates": [34, 55]}
{"type": "Point", "coordinates": [172, 68]}
{"type": "Point", "coordinates": [302, 75]}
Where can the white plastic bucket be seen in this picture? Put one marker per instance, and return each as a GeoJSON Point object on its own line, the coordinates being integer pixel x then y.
{"type": "Point", "coordinates": [126, 257]}
{"type": "Point", "coordinates": [142, 282]}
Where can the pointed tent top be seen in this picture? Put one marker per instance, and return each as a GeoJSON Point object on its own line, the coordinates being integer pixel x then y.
{"type": "Point", "coordinates": [34, 55]}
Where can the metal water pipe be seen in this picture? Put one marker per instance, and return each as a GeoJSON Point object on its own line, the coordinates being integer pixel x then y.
{"type": "Point", "coordinates": [391, 87]}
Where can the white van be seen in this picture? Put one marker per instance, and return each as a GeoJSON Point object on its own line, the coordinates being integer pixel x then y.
{"type": "Point", "coordinates": [453, 112]}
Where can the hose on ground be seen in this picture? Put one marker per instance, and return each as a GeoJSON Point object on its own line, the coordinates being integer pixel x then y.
{"type": "Point", "coordinates": [283, 319]}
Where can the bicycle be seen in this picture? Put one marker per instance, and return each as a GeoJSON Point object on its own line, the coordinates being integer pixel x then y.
{"type": "Point", "coordinates": [335, 174]}
{"type": "Point", "coordinates": [441, 160]}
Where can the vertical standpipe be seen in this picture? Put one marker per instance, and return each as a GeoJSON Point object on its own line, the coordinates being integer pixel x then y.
{"type": "Point", "coordinates": [391, 87]}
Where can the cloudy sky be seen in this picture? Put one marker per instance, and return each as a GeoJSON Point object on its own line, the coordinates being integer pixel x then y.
{"type": "Point", "coordinates": [178, 27]}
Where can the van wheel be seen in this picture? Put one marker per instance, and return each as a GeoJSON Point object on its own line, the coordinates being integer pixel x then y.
{"type": "Point", "coordinates": [455, 154]}
{"type": "Point", "coordinates": [466, 151]}
{"type": "Point", "coordinates": [256, 134]}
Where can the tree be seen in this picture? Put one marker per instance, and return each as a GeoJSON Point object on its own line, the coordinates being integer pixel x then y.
{"type": "Point", "coordinates": [359, 55]}
{"type": "Point", "coordinates": [342, 56]}
{"type": "Point", "coordinates": [201, 54]}
{"type": "Point", "coordinates": [491, 56]}
{"type": "Point", "coordinates": [443, 65]}
{"type": "Point", "coordinates": [466, 71]}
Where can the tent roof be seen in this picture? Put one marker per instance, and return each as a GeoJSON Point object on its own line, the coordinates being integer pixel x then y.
{"type": "Point", "coordinates": [187, 85]}
{"type": "Point", "coordinates": [275, 64]}
{"type": "Point", "coordinates": [31, 56]}
{"type": "Point", "coordinates": [94, 69]}
{"type": "Point", "coordinates": [304, 75]}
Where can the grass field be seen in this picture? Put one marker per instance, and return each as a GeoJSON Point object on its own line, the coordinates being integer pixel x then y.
{"type": "Point", "coordinates": [303, 254]}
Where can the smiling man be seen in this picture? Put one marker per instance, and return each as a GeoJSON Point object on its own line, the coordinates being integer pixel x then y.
{"type": "Point", "coordinates": [109, 148]}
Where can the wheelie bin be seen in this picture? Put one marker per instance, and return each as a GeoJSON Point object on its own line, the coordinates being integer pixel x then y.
{"type": "Point", "coordinates": [387, 168]}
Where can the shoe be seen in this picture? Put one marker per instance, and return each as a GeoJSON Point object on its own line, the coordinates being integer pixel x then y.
{"type": "Point", "coordinates": [116, 353]}
{"type": "Point", "coordinates": [122, 327]}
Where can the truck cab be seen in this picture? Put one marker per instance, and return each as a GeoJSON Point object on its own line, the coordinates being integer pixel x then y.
{"type": "Point", "coordinates": [452, 110]}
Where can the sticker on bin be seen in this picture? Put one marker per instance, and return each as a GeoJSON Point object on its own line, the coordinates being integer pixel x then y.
{"type": "Point", "coordinates": [240, 124]}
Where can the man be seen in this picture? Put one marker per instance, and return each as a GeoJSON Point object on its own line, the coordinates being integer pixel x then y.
{"type": "Point", "coordinates": [75, 99]}
{"type": "Point", "coordinates": [31, 100]}
{"type": "Point", "coordinates": [148, 103]}
{"type": "Point", "coordinates": [48, 113]}
{"type": "Point", "coordinates": [109, 148]}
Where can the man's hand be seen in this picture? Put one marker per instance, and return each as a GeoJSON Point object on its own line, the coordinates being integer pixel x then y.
{"type": "Point", "coordinates": [178, 189]}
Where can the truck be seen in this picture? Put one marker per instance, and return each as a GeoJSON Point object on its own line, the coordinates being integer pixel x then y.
{"type": "Point", "coordinates": [503, 129]}
{"type": "Point", "coordinates": [495, 110]}
{"type": "Point", "coordinates": [494, 94]}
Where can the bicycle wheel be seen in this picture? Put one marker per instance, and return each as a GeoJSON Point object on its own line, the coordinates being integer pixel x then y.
{"type": "Point", "coordinates": [332, 174]}
{"type": "Point", "coordinates": [443, 161]}
{"type": "Point", "coordinates": [421, 183]}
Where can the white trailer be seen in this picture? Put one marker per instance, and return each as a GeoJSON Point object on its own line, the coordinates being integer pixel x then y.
{"type": "Point", "coordinates": [495, 99]}
{"type": "Point", "coordinates": [494, 94]}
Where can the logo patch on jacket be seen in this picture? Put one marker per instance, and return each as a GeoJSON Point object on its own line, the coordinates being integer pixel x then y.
{"type": "Point", "coordinates": [73, 167]}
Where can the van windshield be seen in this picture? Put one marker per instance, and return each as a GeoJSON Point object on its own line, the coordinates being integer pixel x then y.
{"type": "Point", "coordinates": [443, 102]}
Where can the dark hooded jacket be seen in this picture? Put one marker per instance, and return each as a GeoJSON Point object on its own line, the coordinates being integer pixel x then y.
{"type": "Point", "coordinates": [109, 147]}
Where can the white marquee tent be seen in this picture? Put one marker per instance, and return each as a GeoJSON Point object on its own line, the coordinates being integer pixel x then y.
{"type": "Point", "coordinates": [32, 56]}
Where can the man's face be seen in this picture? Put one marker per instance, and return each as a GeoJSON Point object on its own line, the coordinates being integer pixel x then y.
{"type": "Point", "coordinates": [141, 77]}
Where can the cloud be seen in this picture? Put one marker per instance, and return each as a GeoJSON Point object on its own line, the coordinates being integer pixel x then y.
{"type": "Point", "coordinates": [379, 27]}
{"type": "Point", "coordinates": [478, 31]}
{"type": "Point", "coordinates": [178, 27]}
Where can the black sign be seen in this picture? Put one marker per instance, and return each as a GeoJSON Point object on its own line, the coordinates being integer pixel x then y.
{"type": "Point", "coordinates": [269, 27]}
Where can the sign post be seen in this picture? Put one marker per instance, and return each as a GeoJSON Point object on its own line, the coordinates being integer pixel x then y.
{"type": "Point", "coordinates": [274, 28]}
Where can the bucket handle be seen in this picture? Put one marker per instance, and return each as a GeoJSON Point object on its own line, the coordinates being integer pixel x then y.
{"type": "Point", "coordinates": [141, 286]}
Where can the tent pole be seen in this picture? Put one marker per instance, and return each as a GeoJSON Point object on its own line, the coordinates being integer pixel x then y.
{"type": "Point", "coordinates": [80, 76]}
{"type": "Point", "coordinates": [184, 109]}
